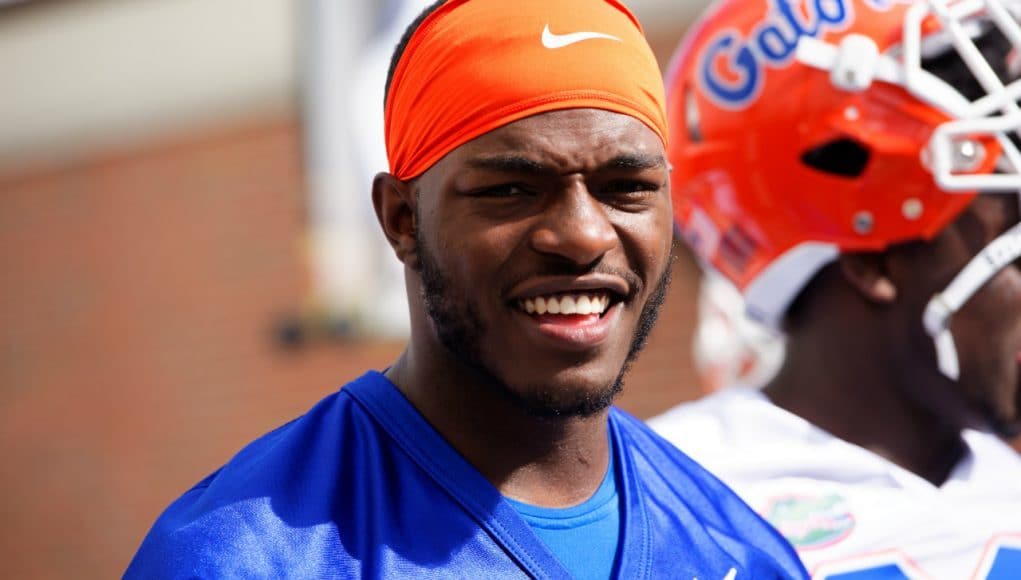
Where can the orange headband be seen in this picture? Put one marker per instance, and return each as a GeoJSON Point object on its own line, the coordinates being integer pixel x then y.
{"type": "Point", "coordinates": [476, 65]}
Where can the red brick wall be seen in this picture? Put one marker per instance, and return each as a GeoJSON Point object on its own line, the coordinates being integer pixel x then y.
{"type": "Point", "coordinates": [140, 292]}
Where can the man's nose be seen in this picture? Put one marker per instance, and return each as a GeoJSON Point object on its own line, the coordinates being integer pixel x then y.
{"type": "Point", "coordinates": [575, 226]}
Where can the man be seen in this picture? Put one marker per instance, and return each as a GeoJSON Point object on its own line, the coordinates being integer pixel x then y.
{"type": "Point", "coordinates": [849, 165]}
{"type": "Point", "coordinates": [528, 200]}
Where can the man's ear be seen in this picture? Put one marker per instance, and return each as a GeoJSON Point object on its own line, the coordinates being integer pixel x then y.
{"type": "Point", "coordinates": [867, 273]}
{"type": "Point", "coordinates": [394, 201]}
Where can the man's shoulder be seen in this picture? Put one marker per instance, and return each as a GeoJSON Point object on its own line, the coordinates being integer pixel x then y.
{"type": "Point", "coordinates": [667, 473]}
{"type": "Point", "coordinates": [665, 466]}
{"type": "Point", "coordinates": [662, 453]}
{"type": "Point", "coordinates": [723, 421]}
{"type": "Point", "coordinates": [678, 492]}
{"type": "Point", "coordinates": [272, 494]}
{"type": "Point", "coordinates": [358, 486]}
{"type": "Point", "coordinates": [237, 539]}
{"type": "Point", "coordinates": [643, 440]}
{"type": "Point", "coordinates": [990, 463]}
{"type": "Point", "coordinates": [742, 437]}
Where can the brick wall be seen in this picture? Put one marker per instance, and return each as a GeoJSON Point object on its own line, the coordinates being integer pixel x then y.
{"type": "Point", "coordinates": [137, 349]}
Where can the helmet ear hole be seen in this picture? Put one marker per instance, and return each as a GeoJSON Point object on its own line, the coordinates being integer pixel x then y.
{"type": "Point", "coordinates": [844, 157]}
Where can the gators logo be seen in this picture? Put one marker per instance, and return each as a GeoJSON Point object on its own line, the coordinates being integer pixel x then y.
{"type": "Point", "coordinates": [810, 522]}
{"type": "Point", "coordinates": [733, 66]}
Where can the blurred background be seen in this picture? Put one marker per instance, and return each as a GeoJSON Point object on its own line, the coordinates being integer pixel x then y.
{"type": "Point", "coordinates": [188, 252]}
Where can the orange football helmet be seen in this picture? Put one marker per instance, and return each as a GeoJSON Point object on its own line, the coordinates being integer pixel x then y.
{"type": "Point", "coordinates": [804, 129]}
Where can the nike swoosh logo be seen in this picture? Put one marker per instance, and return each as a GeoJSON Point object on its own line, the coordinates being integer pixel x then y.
{"type": "Point", "coordinates": [554, 41]}
{"type": "Point", "coordinates": [732, 575]}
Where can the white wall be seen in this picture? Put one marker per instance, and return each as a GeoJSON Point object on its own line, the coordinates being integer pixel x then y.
{"type": "Point", "coordinates": [89, 73]}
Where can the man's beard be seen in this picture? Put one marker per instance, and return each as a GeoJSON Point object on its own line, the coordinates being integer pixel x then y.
{"type": "Point", "coordinates": [460, 330]}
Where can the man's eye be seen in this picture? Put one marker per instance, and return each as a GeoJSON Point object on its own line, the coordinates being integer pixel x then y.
{"type": "Point", "coordinates": [497, 191]}
{"type": "Point", "coordinates": [630, 186]}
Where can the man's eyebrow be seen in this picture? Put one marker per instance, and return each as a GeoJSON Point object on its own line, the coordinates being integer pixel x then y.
{"type": "Point", "coordinates": [636, 161]}
{"type": "Point", "coordinates": [521, 164]}
{"type": "Point", "coordinates": [511, 164]}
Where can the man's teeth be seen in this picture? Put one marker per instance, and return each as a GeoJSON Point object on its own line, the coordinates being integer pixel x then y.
{"type": "Point", "coordinates": [566, 304]}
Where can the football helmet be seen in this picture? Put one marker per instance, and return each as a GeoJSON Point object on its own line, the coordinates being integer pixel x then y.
{"type": "Point", "coordinates": [803, 129]}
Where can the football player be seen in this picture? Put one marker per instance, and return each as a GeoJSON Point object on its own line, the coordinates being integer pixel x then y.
{"type": "Point", "coordinates": [851, 166]}
{"type": "Point", "coordinates": [527, 198]}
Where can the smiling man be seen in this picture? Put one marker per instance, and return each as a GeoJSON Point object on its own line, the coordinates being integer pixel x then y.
{"type": "Point", "coordinates": [528, 199]}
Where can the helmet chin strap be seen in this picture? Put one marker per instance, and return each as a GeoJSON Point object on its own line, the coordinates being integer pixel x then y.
{"type": "Point", "coordinates": [938, 313]}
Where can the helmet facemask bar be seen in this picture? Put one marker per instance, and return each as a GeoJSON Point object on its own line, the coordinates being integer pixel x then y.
{"type": "Point", "coordinates": [952, 146]}
{"type": "Point", "coordinates": [954, 149]}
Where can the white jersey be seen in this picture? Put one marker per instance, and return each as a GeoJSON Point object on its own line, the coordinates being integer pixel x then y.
{"type": "Point", "coordinates": [851, 514]}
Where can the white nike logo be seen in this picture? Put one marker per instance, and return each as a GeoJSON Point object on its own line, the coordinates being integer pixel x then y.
{"type": "Point", "coordinates": [732, 575]}
{"type": "Point", "coordinates": [552, 41]}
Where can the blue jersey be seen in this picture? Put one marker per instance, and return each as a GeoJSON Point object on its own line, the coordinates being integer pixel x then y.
{"type": "Point", "coordinates": [363, 486]}
{"type": "Point", "coordinates": [585, 538]}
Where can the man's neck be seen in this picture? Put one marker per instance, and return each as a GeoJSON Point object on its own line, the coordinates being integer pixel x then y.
{"type": "Point", "coordinates": [550, 462]}
{"type": "Point", "coordinates": [845, 384]}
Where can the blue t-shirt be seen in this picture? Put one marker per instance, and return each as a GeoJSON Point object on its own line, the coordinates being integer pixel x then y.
{"type": "Point", "coordinates": [584, 537]}
{"type": "Point", "coordinates": [362, 486]}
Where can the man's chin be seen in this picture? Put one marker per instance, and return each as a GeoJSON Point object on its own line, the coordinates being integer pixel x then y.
{"type": "Point", "coordinates": [564, 399]}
